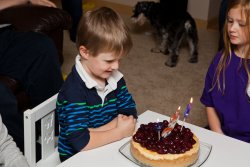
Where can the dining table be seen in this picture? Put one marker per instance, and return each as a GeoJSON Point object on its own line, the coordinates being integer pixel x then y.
{"type": "Point", "coordinates": [216, 150]}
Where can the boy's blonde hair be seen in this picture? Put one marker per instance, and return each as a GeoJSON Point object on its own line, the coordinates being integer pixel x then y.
{"type": "Point", "coordinates": [103, 30]}
{"type": "Point", "coordinates": [229, 47]}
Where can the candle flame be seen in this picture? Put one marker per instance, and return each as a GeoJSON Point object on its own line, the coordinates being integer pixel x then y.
{"type": "Point", "coordinates": [179, 108]}
{"type": "Point", "coordinates": [191, 100]}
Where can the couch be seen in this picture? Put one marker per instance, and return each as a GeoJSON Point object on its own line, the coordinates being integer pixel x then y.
{"type": "Point", "coordinates": [50, 21]}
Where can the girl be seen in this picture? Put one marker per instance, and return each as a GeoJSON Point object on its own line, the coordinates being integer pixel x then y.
{"type": "Point", "coordinates": [226, 94]}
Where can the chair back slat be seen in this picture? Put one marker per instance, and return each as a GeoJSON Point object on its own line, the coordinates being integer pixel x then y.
{"type": "Point", "coordinates": [46, 113]}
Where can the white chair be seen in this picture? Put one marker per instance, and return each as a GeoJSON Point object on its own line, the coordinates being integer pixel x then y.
{"type": "Point", "coordinates": [46, 113]}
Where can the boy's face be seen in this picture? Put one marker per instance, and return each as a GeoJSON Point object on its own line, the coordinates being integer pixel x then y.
{"type": "Point", "coordinates": [101, 66]}
{"type": "Point", "coordinates": [237, 27]}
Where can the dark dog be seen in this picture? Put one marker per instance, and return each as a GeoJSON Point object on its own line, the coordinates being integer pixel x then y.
{"type": "Point", "coordinates": [172, 27]}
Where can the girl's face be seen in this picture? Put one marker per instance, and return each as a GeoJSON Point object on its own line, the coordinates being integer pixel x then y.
{"type": "Point", "coordinates": [101, 66]}
{"type": "Point", "coordinates": [237, 28]}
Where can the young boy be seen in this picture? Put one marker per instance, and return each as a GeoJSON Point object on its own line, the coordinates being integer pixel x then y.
{"type": "Point", "coordinates": [94, 105]}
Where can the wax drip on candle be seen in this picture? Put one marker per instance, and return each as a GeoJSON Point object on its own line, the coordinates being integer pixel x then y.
{"type": "Point", "coordinates": [173, 120]}
{"type": "Point", "coordinates": [187, 111]}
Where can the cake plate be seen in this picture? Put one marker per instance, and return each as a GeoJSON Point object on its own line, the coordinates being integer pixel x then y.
{"type": "Point", "coordinates": [205, 150]}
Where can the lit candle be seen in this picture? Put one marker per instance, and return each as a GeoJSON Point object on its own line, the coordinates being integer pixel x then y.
{"type": "Point", "coordinates": [173, 120]}
{"type": "Point", "coordinates": [187, 111]}
{"type": "Point", "coordinates": [176, 115]}
{"type": "Point", "coordinates": [158, 128]}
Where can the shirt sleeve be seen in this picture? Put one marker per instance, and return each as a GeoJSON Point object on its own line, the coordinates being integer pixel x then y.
{"type": "Point", "coordinates": [125, 101]}
{"type": "Point", "coordinates": [73, 120]}
{"type": "Point", "coordinates": [206, 97]}
{"type": "Point", "coordinates": [79, 139]}
{"type": "Point", "coordinates": [10, 155]}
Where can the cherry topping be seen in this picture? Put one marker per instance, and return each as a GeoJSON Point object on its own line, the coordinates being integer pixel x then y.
{"type": "Point", "coordinates": [176, 143]}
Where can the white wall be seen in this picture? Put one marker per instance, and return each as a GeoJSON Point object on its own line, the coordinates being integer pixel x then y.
{"type": "Point", "coordinates": [214, 9]}
{"type": "Point", "coordinates": [199, 9]}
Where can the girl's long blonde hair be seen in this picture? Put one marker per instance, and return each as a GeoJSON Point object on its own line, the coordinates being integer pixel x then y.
{"type": "Point", "coordinates": [229, 48]}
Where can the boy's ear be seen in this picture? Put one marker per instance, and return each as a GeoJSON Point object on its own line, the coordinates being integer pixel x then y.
{"type": "Point", "coordinates": [84, 52]}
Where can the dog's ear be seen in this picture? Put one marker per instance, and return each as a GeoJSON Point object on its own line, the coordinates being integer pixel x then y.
{"type": "Point", "coordinates": [136, 10]}
{"type": "Point", "coordinates": [144, 6]}
{"type": "Point", "coordinates": [139, 8]}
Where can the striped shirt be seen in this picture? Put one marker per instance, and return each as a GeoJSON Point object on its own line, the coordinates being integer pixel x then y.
{"type": "Point", "coordinates": [80, 108]}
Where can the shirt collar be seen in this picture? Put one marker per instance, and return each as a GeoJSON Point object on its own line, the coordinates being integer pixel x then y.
{"type": "Point", "coordinates": [248, 89]}
{"type": "Point", "coordinates": [90, 82]}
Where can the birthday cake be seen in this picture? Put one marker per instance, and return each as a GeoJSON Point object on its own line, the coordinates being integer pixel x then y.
{"type": "Point", "coordinates": [156, 146]}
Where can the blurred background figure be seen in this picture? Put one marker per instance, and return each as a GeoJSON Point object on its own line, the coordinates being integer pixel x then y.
{"type": "Point", "coordinates": [29, 59]}
{"type": "Point", "coordinates": [222, 17]}
{"type": "Point", "coordinates": [74, 8]}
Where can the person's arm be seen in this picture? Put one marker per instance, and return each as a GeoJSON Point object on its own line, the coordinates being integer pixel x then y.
{"type": "Point", "coordinates": [120, 127]}
{"type": "Point", "coordinates": [125, 128]}
{"type": "Point", "coordinates": [125, 102]}
{"type": "Point", "coordinates": [10, 155]}
{"type": "Point", "coordinates": [8, 3]}
{"type": "Point", "coordinates": [213, 120]}
{"type": "Point", "coordinates": [111, 125]}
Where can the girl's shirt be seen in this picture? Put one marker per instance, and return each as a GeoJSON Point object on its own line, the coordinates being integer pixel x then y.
{"type": "Point", "coordinates": [81, 104]}
{"type": "Point", "coordinates": [232, 107]}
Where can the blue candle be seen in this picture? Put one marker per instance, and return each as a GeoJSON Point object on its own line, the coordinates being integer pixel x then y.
{"type": "Point", "coordinates": [187, 111]}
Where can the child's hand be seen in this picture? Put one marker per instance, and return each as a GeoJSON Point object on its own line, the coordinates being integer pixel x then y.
{"type": "Point", "coordinates": [126, 124]}
{"type": "Point", "coordinates": [43, 3]}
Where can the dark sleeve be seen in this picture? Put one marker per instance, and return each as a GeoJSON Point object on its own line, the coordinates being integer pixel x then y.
{"type": "Point", "coordinates": [126, 103]}
{"type": "Point", "coordinates": [73, 114]}
{"type": "Point", "coordinates": [75, 132]}
{"type": "Point", "coordinates": [79, 139]}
